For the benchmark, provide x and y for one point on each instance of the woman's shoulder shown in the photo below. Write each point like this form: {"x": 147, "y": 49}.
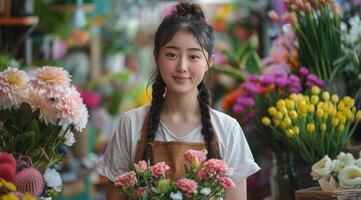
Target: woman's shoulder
{"x": 136, "y": 113}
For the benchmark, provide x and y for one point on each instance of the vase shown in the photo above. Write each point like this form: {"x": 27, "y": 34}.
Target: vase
{"x": 283, "y": 176}
{"x": 304, "y": 178}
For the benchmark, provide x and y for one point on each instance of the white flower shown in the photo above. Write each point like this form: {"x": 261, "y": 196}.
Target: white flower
{"x": 350, "y": 177}
{"x": 13, "y": 88}
{"x": 69, "y": 138}
{"x": 176, "y": 196}
{"x": 205, "y": 191}
{"x": 53, "y": 179}
{"x": 346, "y": 159}
{"x": 358, "y": 162}
{"x": 322, "y": 168}
{"x": 337, "y": 165}
{"x": 286, "y": 28}
{"x": 45, "y": 198}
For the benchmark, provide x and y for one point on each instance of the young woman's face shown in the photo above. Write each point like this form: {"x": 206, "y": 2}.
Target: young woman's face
{"x": 182, "y": 63}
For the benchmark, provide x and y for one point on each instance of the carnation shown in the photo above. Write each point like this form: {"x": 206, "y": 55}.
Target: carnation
{"x": 53, "y": 179}
{"x": 226, "y": 182}
{"x": 159, "y": 169}
{"x": 190, "y": 154}
{"x": 187, "y": 186}
{"x": 127, "y": 179}
{"x": 213, "y": 166}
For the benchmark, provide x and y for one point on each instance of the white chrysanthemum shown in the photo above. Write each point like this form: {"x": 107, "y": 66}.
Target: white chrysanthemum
{"x": 346, "y": 159}
{"x": 322, "y": 168}
{"x": 53, "y": 179}
{"x": 350, "y": 177}
{"x": 51, "y": 78}
{"x": 205, "y": 191}
{"x": 71, "y": 109}
{"x": 45, "y": 198}
{"x": 13, "y": 88}
{"x": 358, "y": 162}
{"x": 337, "y": 165}
{"x": 69, "y": 138}
{"x": 38, "y": 100}
{"x": 176, "y": 196}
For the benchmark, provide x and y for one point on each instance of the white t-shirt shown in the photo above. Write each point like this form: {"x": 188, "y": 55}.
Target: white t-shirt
{"x": 120, "y": 153}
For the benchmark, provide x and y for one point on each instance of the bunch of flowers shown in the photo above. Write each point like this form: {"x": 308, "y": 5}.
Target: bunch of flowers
{"x": 317, "y": 28}
{"x": 344, "y": 172}
{"x": 313, "y": 125}
{"x": 205, "y": 179}
{"x": 39, "y": 113}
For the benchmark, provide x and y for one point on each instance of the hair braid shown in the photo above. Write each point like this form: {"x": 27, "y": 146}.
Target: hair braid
{"x": 154, "y": 115}
{"x": 207, "y": 128}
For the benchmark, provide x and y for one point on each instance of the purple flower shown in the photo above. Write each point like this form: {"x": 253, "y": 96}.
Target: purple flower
{"x": 246, "y": 101}
{"x": 293, "y": 78}
{"x": 304, "y": 71}
{"x": 251, "y": 88}
{"x": 267, "y": 79}
{"x": 282, "y": 82}
{"x": 296, "y": 89}
{"x": 253, "y": 78}
{"x": 312, "y": 77}
{"x": 309, "y": 84}
{"x": 238, "y": 108}
{"x": 320, "y": 82}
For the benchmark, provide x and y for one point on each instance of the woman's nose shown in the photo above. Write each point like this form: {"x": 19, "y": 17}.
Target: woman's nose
{"x": 182, "y": 65}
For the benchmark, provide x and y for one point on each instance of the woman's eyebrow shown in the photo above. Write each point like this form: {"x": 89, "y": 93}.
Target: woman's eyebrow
{"x": 178, "y": 48}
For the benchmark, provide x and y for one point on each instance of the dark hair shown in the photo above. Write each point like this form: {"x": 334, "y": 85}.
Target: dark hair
{"x": 189, "y": 18}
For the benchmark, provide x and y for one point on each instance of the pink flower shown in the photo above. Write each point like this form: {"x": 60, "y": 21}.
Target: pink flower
{"x": 13, "y": 88}
{"x": 91, "y": 99}
{"x": 37, "y": 99}
{"x": 190, "y": 154}
{"x": 215, "y": 166}
{"x": 141, "y": 166}
{"x": 159, "y": 169}
{"x": 139, "y": 192}
{"x": 71, "y": 109}
{"x": 187, "y": 186}
{"x": 226, "y": 182}
{"x": 51, "y": 78}
{"x": 126, "y": 180}
{"x": 202, "y": 175}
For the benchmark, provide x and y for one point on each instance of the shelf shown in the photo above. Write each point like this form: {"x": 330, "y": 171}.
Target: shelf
{"x": 71, "y": 8}
{"x": 19, "y": 21}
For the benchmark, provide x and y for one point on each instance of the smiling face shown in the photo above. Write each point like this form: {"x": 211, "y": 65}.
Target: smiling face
{"x": 182, "y": 63}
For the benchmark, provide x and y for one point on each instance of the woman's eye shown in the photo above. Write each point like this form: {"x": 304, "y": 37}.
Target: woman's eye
{"x": 171, "y": 55}
{"x": 194, "y": 57}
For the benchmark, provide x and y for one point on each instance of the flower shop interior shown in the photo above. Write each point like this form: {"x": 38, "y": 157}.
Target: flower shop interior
{"x": 289, "y": 71}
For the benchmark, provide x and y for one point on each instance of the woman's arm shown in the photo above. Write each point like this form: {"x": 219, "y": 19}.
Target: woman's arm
{"x": 238, "y": 193}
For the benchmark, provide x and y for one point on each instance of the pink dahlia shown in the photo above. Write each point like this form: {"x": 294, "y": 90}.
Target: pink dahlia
{"x": 51, "y": 78}
{"x": 13, "y": 88}
{"x": 38, "y": 100}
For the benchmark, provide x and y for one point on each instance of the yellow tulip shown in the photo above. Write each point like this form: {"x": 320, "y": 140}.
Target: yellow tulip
{"x": 290, "y": 133}
{"x": 341, "y": 105}
{"x": 276, "y": 122}
{"x": 341, "y": 127}
{"x": 310, "y": 127}
{"x": 266, "y": 121}
{"x": 296, "y": 130}
{"x": 283, "y": 110}
{"x": 311, "y": 108}
{"x": 334, "y": 121}
{"x": 278, "y": 115}
{"x": 283, "y": 125}
{"x": 293, "y": 114}
{"x": 358, "y": 115}
{"x": 280, "y": 104}
{"x": 314, "y": 99}
{"x": 319, "y": 113}
{"x": 334, "y": 98}
{"x": 315, "y": 90}
{"x": 326, "y": 96}
{"x": 272, "y": 110}
{"x": 323, "y": 127}
{"x": 342, "y": 119}
{"x": 290, "y": 104}
{"x": 287, "y": 121}
{"x": 293, "y": 96}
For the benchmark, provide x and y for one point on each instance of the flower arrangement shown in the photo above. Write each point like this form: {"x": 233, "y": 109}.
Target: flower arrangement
{"x": 317, "y": 28}
{"x": 313, "y": 125}
{"x": 205, "y": 179}
{"x": 39, "y": 113}
{"x": 8, "y": 191}
{"x": 343, "y": 172}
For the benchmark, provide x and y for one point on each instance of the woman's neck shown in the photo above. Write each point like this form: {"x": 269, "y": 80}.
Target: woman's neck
{"x": 181, "y": 105}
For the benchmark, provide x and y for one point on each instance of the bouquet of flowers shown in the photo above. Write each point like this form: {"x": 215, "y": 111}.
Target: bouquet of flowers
{"x": 8, "y": 191}
{"x": 317, "y": 28}
{"x": 344, "y": 172}
{"x": 39, "y": 113}
{"x": 205, "y": 179}
{"x": 315, "y": 125}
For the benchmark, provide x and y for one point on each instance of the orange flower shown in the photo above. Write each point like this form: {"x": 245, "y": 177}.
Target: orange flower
{"x": 230, "y": 99}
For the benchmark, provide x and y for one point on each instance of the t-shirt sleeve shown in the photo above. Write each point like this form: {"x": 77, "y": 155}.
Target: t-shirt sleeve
{"x": 239, "y": 156}
{"x": 117, "y": 157}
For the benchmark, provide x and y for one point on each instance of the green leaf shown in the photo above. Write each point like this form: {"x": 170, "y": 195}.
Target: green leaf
{"x": 33, "y": 126}
{"x": 235, "y": 73}
{"x": 232, "y": 61}
{"x": 26, "y": 114}
{"x": 253, "y": 63}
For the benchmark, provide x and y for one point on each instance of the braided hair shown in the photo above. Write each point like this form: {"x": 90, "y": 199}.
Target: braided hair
{"x": 190, "y": 18}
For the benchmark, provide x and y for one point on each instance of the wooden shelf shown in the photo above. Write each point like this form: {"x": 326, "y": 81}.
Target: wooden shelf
{"x": 19, "y": 21}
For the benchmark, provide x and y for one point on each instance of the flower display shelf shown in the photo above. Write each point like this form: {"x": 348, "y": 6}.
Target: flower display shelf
{"x": 315, "y": 193}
